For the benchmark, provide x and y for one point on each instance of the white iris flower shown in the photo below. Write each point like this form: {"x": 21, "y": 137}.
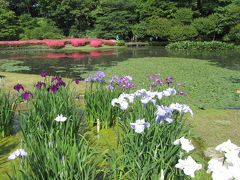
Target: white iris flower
{"x": 60, "y": 118}
{"x": 189, "y": 166}
{"x": 185, "y": 144}
{"x": 17, "y": 153}
{"x": 140, "y": 125}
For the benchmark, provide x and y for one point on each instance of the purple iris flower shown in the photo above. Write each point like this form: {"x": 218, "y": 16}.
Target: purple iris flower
{"x": 40, "y": 84}
{"x": 43, "y": 74}
{"x": 90, "y": 79}
{"x": 169, "y": 80}
{"x": 159, "y": 81}
{"x": 98, "y": 77}
{"x": 114, "y": 79}
{"x": 182, "y": 93}
{"x": 164, "y": 113}
{"x": 60, "y": 83}
{"x": 26, "y": 95}
{"x": 100, "y": 74}
{"x": 126, "y": 86}
{"x": 152, "y": 86}
{"x": 109, "y": 87}
{"x": 56, "y": 78}
{"x": 124, "y": 79}
{"x": 52, "y": 88}
{"x": 18, "y": 87}
{"x": 77, "y": 81}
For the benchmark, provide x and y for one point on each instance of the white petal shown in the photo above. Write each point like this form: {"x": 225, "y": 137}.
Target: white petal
{"x": 114, "y": 102}
{"x": 12, "y": 156}
{"x": 139, "y": 128}
{"x": 123, "y": 105}
{"x": 227, "y": 146}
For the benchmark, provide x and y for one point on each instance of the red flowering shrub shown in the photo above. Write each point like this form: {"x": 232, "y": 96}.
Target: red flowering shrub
{"x": 78, "y": 42}
{"x": 108, "y": 42}
{"x": 75, "y": 42}
{"x": 96, "y": 43}
{"x": 56, "y": 44}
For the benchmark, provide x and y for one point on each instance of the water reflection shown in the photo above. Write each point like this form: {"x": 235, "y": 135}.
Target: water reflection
{"x": 77, "y": 63}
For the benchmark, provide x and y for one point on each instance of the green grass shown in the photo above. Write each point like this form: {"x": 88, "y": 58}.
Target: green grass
{"x": 215, "y": 126}
{"x": 207, "y": 85}
{"x": 67, "y": 48}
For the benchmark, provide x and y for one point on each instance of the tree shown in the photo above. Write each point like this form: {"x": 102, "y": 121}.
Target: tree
{"x": 68, "y": 13}
{"x": 115, "y": 17}
{"x": 139, "y": 30}
{"x": 4, "y": 4}
{"x": 182, "y": 33}
{"x": 234, "y": 34}
{"x": 184, "y": 15}
{"x": 38, "y": 28}
{"x": 8, "y": 25}
{"x": 24, "y": 6}
{"x": 208, "y": 27}
{"x": 159, "y": 27}
{"x": 161, "y": 8}
{"x": 228, "y": 16}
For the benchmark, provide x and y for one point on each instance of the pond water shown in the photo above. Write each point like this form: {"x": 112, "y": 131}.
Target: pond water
{"x": 75, "y": 64}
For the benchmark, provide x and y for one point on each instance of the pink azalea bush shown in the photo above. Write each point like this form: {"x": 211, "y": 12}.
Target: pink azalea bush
{"x": 96, "y": 43}
{"x": 108, "y": 42}
{"x": 51, "y": 43}
{"x": 56, "y": 44}
{"x": 77, "y": 42}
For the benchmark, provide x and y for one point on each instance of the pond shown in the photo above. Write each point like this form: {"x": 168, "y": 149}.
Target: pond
{"x": 75, "y": 64}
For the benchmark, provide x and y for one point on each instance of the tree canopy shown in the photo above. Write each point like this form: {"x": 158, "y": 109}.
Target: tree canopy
{"x": 164, "y": 20}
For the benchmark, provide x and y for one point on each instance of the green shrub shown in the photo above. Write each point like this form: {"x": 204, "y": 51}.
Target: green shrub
{"x": 182, "y": 33}
{"x": 234, "y": 34}
{"x": 120, "y": 43}
{"x": 190, "y": 45}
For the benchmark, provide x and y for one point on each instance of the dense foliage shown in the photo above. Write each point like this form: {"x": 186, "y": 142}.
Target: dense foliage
{"x": 197, "y": 45}
{"x": 155, "y": 20}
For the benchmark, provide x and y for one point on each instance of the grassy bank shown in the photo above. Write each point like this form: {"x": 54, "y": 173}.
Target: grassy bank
{"x": 67, "y": 48}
